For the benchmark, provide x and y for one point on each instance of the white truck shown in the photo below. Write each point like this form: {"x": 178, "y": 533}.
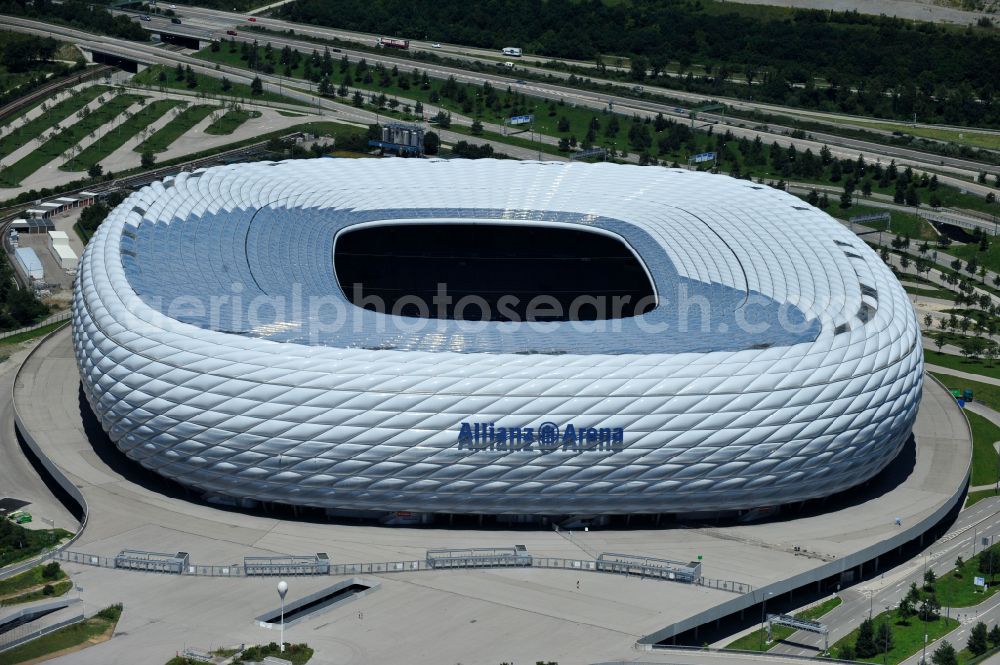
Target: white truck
{"x": 512, "y": 50}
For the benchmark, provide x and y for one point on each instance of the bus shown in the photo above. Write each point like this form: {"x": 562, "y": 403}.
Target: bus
{"x": 512, "y": 50}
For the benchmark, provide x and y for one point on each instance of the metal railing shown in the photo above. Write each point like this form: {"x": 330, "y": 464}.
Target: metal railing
{"x": 404, "y": 566}
{"x": 56, "y": 318}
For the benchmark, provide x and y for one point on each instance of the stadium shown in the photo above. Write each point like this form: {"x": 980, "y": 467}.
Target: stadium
{"x": 508, "y": 338}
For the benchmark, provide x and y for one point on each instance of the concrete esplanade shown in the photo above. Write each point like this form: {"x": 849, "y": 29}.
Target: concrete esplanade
{"x": 436, "y": 615}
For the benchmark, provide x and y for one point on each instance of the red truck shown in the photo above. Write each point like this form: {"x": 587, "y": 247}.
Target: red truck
{"x": 389, "y": 42}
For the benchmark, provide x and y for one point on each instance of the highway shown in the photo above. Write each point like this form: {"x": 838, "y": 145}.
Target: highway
{"x": 958, "y": 176}
{"x": 210, "y": 23}
{"x": 150, "y": 54}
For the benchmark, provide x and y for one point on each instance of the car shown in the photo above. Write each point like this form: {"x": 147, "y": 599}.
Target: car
{"x": 252, "y": 19}
{"x": 519, "y": 81}
{"x": 146, "y": 18}
{"x": 175, "y": 20}
{"x": 230, "y": 32}
{"x": 435, "y": 45}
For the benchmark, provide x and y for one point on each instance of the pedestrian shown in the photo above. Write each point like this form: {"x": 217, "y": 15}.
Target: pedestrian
{"x": 578, "y": 585}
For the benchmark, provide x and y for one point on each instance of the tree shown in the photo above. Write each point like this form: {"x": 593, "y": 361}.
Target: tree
{"x": 227, "y": 85}
{"x": 883, "y": 639}
{"x": 959, "y": 564}
{"x": 95, "y": 170}
{"x": 813, "y": 197}
{"x": 864, "y": 645}
{"x": 994, "y": 636}
{"x": 477, "y": 127}
{"x": 256, "y": 86}
{"x": 431, "y": 143}
{"x": 978, "y": 642}
{"x": 51, "y": 570}
{"x": 846, "y": 652}
{"x": 906, "y": 610}
{"x": 944, "y": 654}
{"x": 989, "y": 561}
{"x": 929, "y": 608}
{"x": 148, "y": 159}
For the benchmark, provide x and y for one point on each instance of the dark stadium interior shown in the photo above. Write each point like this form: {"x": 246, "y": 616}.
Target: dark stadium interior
{"x": 392, "y": 262}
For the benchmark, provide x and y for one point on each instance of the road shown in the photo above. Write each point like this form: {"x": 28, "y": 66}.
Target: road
{"x": 979, "y": 521}
{"x": 18, "y": 479}
{"x": 339, "y": 112}
{"x": 209, "y": 24}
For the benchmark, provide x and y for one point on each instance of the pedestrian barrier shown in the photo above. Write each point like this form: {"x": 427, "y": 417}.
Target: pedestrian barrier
{"x": 457, "y": 558}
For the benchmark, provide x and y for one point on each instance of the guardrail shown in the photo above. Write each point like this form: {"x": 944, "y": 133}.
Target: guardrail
{"x": 403, "y": 566}
{"x": 57, "y": 318}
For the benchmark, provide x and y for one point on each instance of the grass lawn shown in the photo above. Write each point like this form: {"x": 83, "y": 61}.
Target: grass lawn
{"x": 95, "y": 152}
{"x": 26, "y": 580}
{"x": 176, "y": 128}
{"x": 961, "y": 364}
{"x": 21, "y": 543}
{"x": 990, "y": 258}
{"x": 990, "y": 140}
{"x": 956, "y": 589}
{"x": 547, "y": 113}
{"x": 753, "y": 641}
{"x": 64, "y": 140}
{"x": 986, "y": 393}
{"x": 228, "y": 123}
{"x": 97, "y": 629}
{"x": 298, "y": 654}
{"x": 900, "y": 223}
{"x": 31, "y": 130}
{"x": 207, "y": 85}
{"x": 907, "y": 640}
{"x": 976, "y": 497}
{"x": 929, "y": 293}
{"x": 984, "y": 456}
{"x": 512, "y": 140}
{"x": 32, "y": 334}
{"x": 58, "y": 589}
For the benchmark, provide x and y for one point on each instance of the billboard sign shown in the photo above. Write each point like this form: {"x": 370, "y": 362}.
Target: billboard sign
{"x": 703, "y": 157}
{"x": 979, "y": 581}
{"x": 521, "y": 119}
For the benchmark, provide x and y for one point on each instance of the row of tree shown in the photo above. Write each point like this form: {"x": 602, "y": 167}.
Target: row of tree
{"x": 78, "y": 14}
{"x": 879, "y": 65}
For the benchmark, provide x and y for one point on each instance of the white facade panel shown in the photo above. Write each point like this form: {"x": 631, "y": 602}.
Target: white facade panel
{"x": 367, "y": 416}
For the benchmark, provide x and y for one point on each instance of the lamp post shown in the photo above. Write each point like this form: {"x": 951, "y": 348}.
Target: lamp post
{"x": 282, "y": 590}
{"x": 885, "y": 652}
{"x": 763, "y": 612}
